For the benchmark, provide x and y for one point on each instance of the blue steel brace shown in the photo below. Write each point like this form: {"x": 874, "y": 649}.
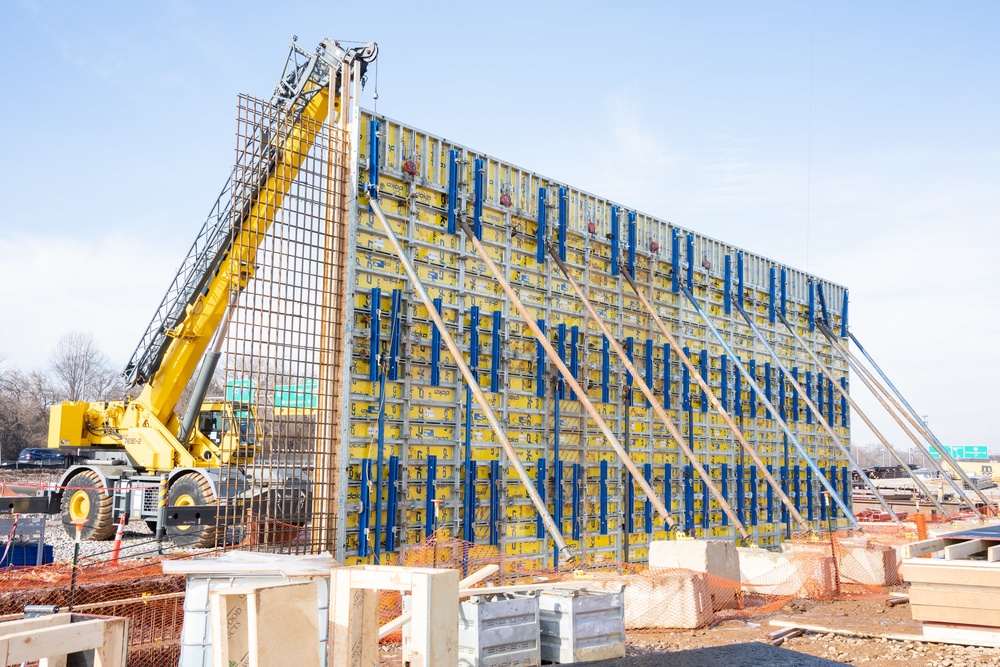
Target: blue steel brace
{"x": 688, "y": 498}
{"x": 629, "y": 344}
{"x": 808, "y": 387}
{"x": 574, "y": 354}
{"x": 767, "y": 388}
{"x": 724, "y": 391}
{"x": 615, "y": 231}
{"x": 436, "y": 348}
{"x": 737, "y": 394}
{"x": 577, "y": 480}
{"x": 647, "y": 473}
{"x": 480, "y": 194}
{"x": 740, "y": 492}
{"x": 649, "y": 365}
{"x": 375, "y": 332}
{"x": 373, "y": 128}
{"x": 605, "y": 372}
{"x": 629, "y": 503}
{"x": 784, "y": 487}
{"x": 395, "y": 333}
{"x": 474, "y": 339}
{"x": 812, "y": 306}
{"x": 770, "y": 295}
{"x": 604, "y": 497}
{"x": 843, "y": 317}
{"x": 540, "y": 366}
{"x": 561, "y": 350}
{"x": 822, "y": 498}
{"x": 540, "y": 486}
{"x": 495, "y": 352}
{"x": 724, "y": 487}
{"x": 666, "y": 376}
{"x": 845, "y": 485}
{"x": 823, "y": 312}
{"x": 739, "y": 277}
{"x": 452, "y": 190}
{"x": 668, "y": 487}
{"x": 704, "y": 375}
{"x": 784, "y": 293}
{"x": 797, "y": 478}
{"x": 753, "y": 496}
{"x": 379, "y": 460}
{"x": 563, "y": 222}
{"x": 558, "y": 501}
{"x": 795, "y": 395}
{"x": 686, "y": 383}
{"x": 820, "y": 394}
{"x": 706, "y": 504}
{"x": 728, "y": 285}
{"x": 782, "y": 406}
{"x": 675, "y": 257}
{"x": 843, "y": 402}
{"x": 364, "y": 517}
{"x": 690, "y": 264}
{"x": 495, "y": 483}
{"x": 542, "y": 213}
{"x": 753, "y": 394}
{"x": 809, "y": 494}
{"x": 770, "y": 496}
{"x": 829, "y": 402}
{"x": 832, "y": 473}
{"x": 392, "y": 505}
{"x": 431, "y": 494}
{"x": 632, "y": 241}
{"x": 469, "y": 533}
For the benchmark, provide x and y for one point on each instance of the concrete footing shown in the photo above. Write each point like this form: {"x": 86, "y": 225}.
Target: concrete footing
{"x": 718, "y": 558}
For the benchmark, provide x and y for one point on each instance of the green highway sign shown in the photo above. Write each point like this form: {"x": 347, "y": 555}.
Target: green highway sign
{"x": 239, "y": 391}
{"x": 981, "y": 452}
{"x": 299, "y": 396}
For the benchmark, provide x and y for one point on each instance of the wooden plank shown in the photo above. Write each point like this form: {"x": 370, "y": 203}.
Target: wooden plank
{"x": 971, "y": 597}
{"x": 964, "y": 549}
{"x": 993, "y": 554}
{"x": 951, "y": 572}
{"x": 230, "y": 636}
{"x": 961, "y": 634}
{"x": 922, "y": 548}
{"x": 434, "y": 628}
{"x": 113, "y": 652}
{"x": 284, "y": 626}
{"x": 38, "y": 623}
{"x": 960, "y": 615}
{"x": 53, "y": 641}
{"x": 779, "y": 623}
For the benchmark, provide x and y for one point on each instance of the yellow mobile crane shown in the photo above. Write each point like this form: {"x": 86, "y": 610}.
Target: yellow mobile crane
{"x": 142, "y": 441}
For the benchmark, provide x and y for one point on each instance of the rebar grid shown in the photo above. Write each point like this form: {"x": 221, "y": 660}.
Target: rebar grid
{"x": 284, "y": 342}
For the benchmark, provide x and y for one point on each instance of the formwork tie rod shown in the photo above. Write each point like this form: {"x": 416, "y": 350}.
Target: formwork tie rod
{"x": 752, "y": 381}
{"x": 918, "y": 423}
{"x": 815, "y": 410}
{"x": 874, "y": 387}
{"x": 857, "y": 409}
{"x": 650, "y": 396}
{"x": 473, "y": 383}
{"x": 602, "y": 425}
{"x": 716, "y": 404}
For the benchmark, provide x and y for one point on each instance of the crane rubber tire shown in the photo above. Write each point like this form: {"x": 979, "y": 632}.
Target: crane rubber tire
{"x": 192, "y": 489}
{"x": 83, "y": 499}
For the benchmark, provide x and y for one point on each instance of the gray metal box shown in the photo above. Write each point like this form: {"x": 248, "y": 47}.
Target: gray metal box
{"x": 580, "y": 625}
{"x": 499, "y": 631}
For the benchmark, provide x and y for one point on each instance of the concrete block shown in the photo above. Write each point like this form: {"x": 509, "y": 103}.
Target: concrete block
{"x": 718, "y": 558}
{"x": 669, "y": 600}
{"x": 806, "y": 575}
{"x": 858, "y": 560}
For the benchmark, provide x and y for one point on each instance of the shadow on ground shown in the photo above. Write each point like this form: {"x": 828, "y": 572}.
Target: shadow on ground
{"x": 750, "y": 654}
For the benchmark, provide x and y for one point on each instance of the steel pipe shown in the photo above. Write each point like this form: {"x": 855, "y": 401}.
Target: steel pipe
{"x": 786, "y": 501}
{"x": 473, "y": 383}
{"x": 568, "y": 376}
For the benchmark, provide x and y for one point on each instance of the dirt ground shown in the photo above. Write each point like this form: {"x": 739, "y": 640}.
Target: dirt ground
{"x": 869, "y": 614}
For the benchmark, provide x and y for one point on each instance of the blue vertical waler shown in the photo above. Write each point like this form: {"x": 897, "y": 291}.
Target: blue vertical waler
{"x": 542, "y": 214}
{"x": 604, "y": 497}
{"x": 479, "y": 194}
{"x": 540, "y": 487}
{"x": 452, "y": 215}
{"x": 615, "y": 231}
{"x": 753, "y": 496}
{"x": 724, "y": 487}
{"x": 540, "y": 364}
{"x": 436, "y": 348}
{"x": 688, "y": 498}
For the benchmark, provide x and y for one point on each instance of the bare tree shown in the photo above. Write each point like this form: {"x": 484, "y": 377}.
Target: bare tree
{"x": 24, "y": 410}
{"x": 82, "y": 372}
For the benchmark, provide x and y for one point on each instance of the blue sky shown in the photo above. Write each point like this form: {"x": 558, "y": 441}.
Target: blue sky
{"x": 877, "y": 122}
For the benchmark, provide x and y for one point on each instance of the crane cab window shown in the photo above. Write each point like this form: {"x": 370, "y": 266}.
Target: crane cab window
{"x": 210, "y": 423}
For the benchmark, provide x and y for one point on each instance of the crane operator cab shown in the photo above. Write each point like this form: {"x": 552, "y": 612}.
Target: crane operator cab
{"x": 232, "y": 427}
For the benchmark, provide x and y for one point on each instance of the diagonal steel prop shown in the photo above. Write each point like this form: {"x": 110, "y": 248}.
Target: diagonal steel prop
{"x": 470, "y": 379}
{"x": 873, "y": 388}
{"x": 568, "y": 376}
{"x": 816, "y": 411}
{"x": 786, "y": 501}
{"x": 918, "y": 423}
{"x": 857, "y": 409}
{"x": 803, "y": 454}
{"x": 648, "y": 393}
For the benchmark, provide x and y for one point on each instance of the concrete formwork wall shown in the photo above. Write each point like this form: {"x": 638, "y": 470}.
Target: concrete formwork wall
{"x": 426, "y": 444}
